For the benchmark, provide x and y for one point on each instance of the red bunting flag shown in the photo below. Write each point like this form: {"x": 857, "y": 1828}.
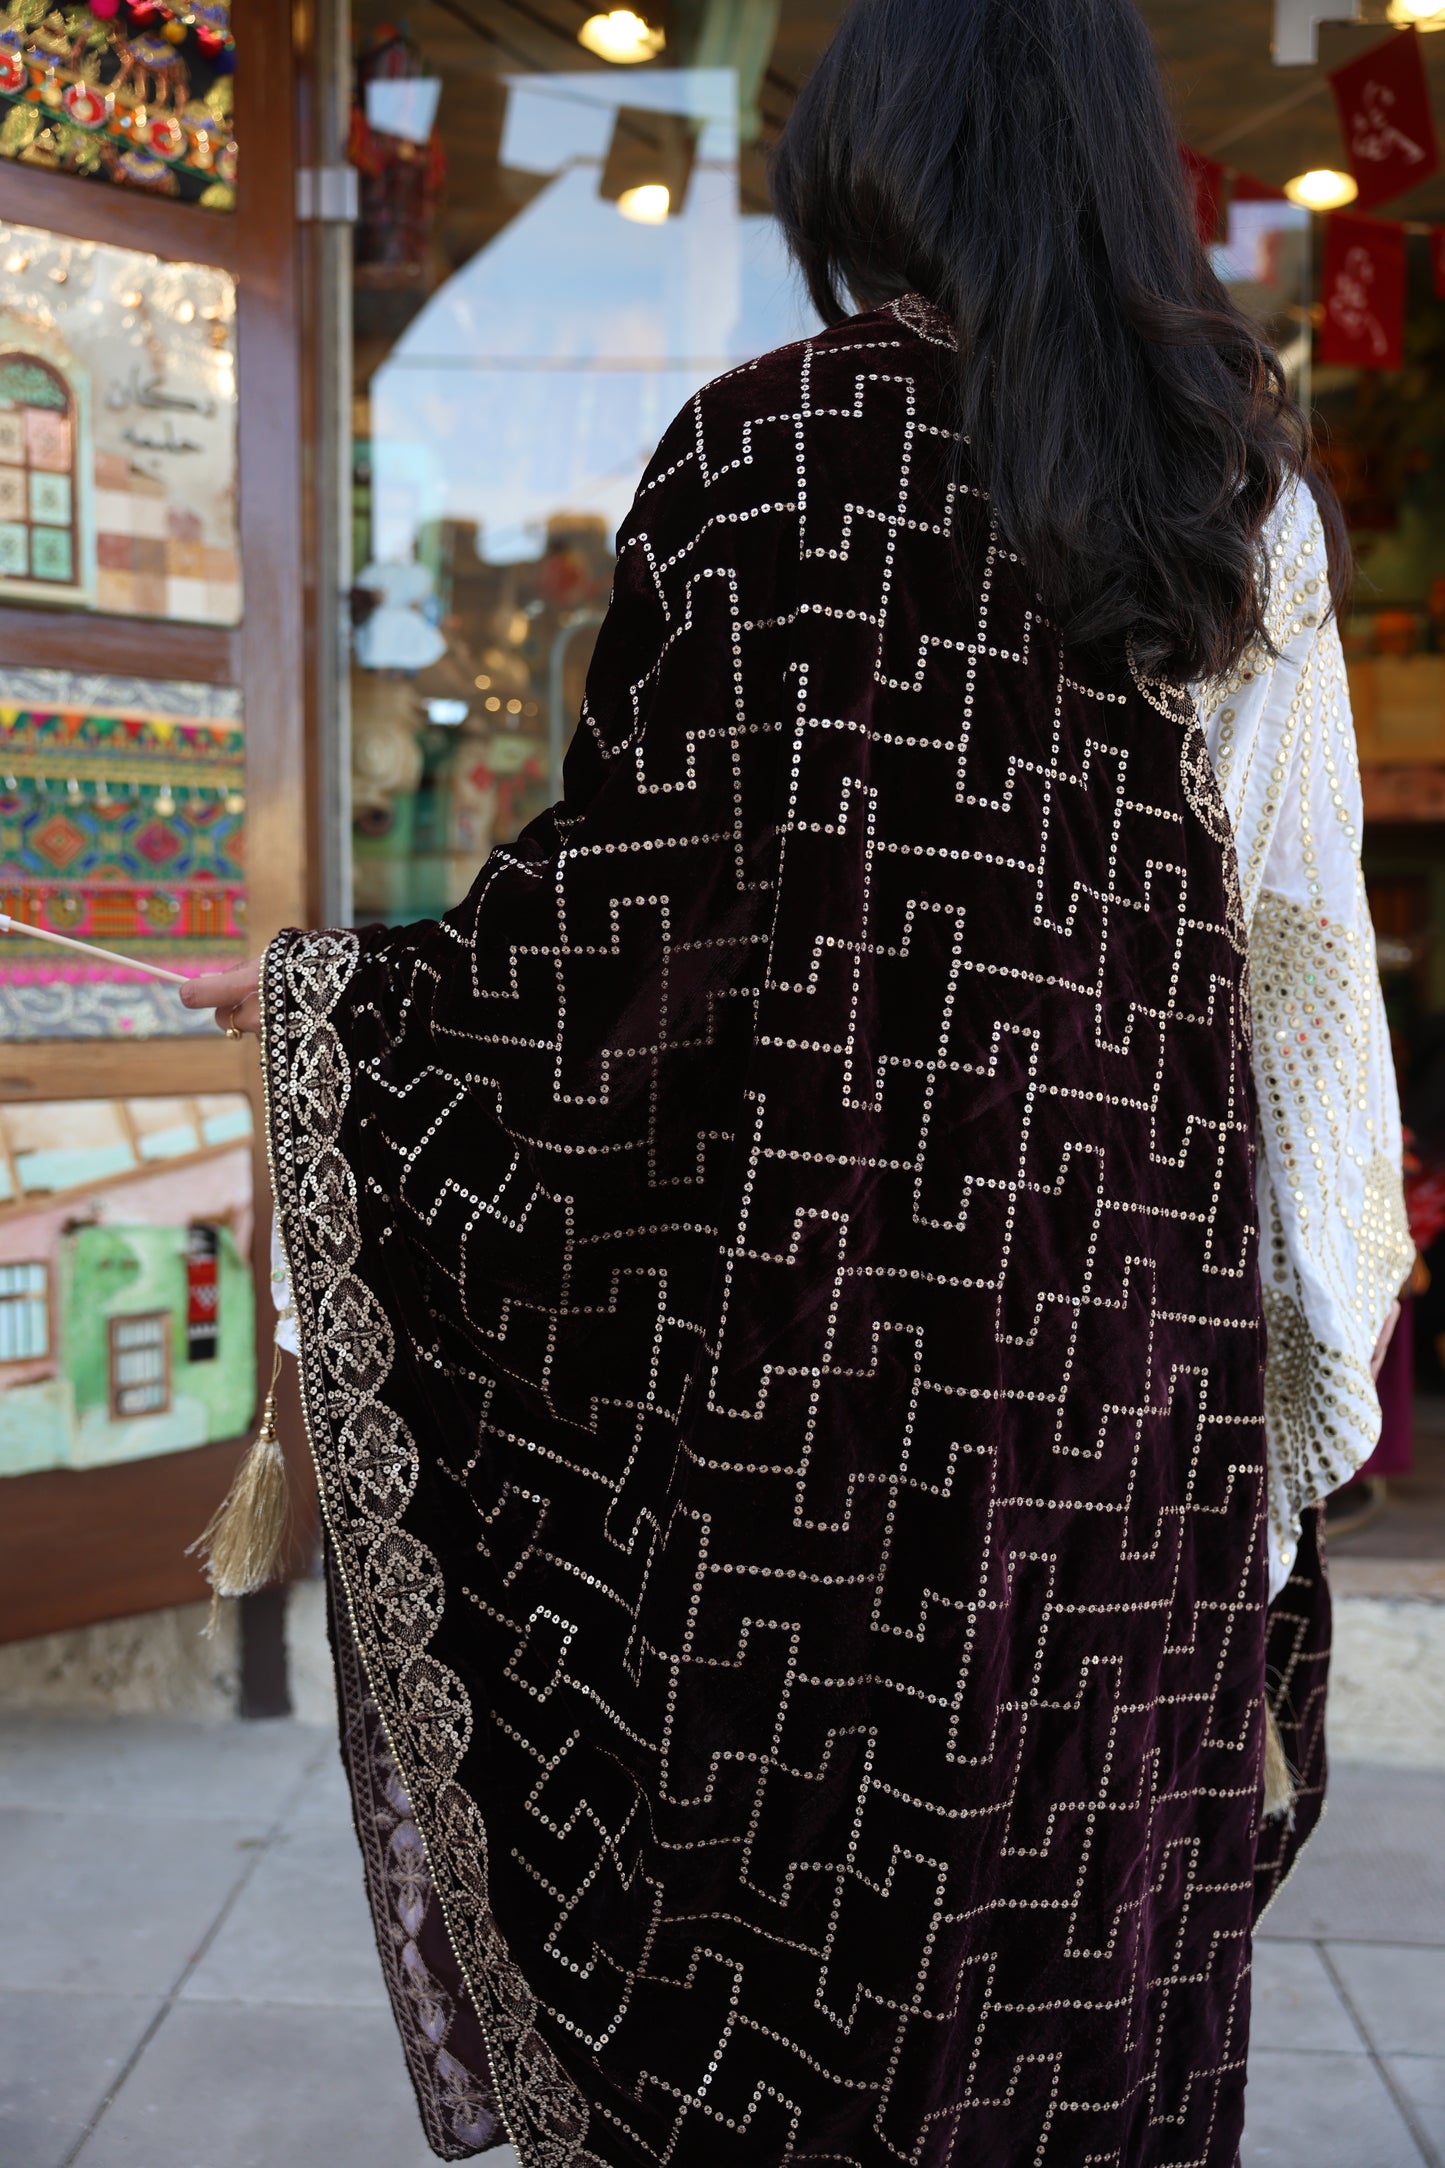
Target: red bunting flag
{"x": 1249, "y": 190}
{"x": 1437, "y": 259}
{"x": 1363, "y": 293}
{"x": 1389, "y": 131}
{"x": 1205, "y": 179}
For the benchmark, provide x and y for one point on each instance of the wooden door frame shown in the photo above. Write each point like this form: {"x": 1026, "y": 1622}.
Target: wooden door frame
{"x": 108, "y": 1542}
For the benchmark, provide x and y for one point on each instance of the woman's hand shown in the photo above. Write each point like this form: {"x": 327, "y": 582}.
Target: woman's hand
{"x": 232, "y": 994}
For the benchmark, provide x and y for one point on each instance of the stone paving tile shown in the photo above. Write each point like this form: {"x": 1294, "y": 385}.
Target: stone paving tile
{"x": 155, "y": 1766}
{"x": 108, "y": 1904}
{"x": 1320, "y": 2111}
{"x": 1399, "y": 1994}
{"x": 61, "y": 2053}
{"x": 300, "y": 1933}
{"x": 227, "y": 2085}
{"x": 323, "y": 1798}
{"x": 1295, "y": 2003}
{"x": 1421, "y": 2078}
{"x": 1374, "y": 1871}
{"x": 280, "y": 2050}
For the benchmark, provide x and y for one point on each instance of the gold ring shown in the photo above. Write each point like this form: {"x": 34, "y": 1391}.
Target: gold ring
{"x": 231, "y": 1031}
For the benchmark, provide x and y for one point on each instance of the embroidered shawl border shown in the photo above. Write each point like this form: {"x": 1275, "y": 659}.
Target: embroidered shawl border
{"x": 367, "y": 1464}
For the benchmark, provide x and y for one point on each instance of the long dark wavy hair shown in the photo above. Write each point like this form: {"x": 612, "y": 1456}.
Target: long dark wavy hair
{"x": 1016, "y": 162}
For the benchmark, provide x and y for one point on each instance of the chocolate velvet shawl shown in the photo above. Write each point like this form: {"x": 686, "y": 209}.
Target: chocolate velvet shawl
{"x": 777, "y": 1283}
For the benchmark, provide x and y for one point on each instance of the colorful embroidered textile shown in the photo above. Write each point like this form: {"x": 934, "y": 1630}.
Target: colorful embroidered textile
{"x": 777, "y": 1283}
{"x": 116, "y": 100}
{"x": 122, "y": 824}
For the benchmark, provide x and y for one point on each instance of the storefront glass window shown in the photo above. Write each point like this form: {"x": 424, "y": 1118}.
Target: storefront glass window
{"x": 554, "y": 251}
{"x": 1379, "y": 415}
{"x": 564, "y": 230}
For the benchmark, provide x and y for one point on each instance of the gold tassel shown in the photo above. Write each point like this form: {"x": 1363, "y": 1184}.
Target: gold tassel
{"x": 1279, "y": 1785}
{"x": 242, "y": 1545}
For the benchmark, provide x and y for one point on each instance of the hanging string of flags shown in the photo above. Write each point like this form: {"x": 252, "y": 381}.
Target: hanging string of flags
{"x": 1383, "y": 100}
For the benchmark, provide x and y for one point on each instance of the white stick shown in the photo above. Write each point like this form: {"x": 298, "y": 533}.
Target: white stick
{"x": 88, "y": 948}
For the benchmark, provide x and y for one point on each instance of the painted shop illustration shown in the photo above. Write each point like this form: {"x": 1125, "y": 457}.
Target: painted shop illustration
{"x": 127, "y": 1308}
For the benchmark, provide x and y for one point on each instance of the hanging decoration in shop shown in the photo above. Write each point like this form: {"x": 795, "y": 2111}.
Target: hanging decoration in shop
{"x": 396, "y": 147}
{"x": 1247, "y": 189}
{"x": 131, "y": 91}
{"x": 1390, "y": 142}
{"x": 1206, "y": 178}
{"x": 1363, "y": 294}
{"x": 1384, "y": 105}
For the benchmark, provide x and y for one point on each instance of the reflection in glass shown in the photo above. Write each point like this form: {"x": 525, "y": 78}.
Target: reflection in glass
{"x": 1265, "y": 261}
{"x": 542, "y": 281}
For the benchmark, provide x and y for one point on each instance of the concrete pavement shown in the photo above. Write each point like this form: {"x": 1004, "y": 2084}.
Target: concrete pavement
{"x": 187, "y": 1977}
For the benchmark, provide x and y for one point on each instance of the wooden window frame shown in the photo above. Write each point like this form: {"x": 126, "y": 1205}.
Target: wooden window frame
{"x": 31, "y": 1264}
{"x": 114, "y": 1388}
{"x": 31, "y": 584}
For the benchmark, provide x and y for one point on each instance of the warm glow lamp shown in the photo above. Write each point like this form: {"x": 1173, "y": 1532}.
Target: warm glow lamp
{"x": 1322, "y": 189}
{"x": 647, "y": 205}
{"x": 621, "y": 36}
{"x": 1424, "y": 14}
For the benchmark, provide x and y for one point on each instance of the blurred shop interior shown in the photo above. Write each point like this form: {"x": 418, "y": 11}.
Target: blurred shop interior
{"x": 431, "y": 285}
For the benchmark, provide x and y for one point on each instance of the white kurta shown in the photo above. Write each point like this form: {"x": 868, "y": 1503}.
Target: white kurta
{"x": 1335, "y": 1245}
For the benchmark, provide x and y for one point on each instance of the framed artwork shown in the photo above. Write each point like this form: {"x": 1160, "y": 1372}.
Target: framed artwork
{"x": 122, "y": 822}
{"x": 137, "y": 93}
{"x": 117, "y": 431}
{"x": 127, "y": 1304}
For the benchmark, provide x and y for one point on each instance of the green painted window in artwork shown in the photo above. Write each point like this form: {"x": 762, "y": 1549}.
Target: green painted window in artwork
{"x": 140, "y": 1370}
{"x": 38, "y": 542}
{"x": 122, "y": 1305}
{"x": 24, "y": 382}
{"x": 24, "y": 1312}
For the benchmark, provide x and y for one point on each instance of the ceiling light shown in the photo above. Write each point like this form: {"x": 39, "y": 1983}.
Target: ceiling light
{"x": 1424, "y": 14}
{"x": 620, "y": 36}
{"x": 648, "y": 205}
{"x": 1321, "y": 189}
